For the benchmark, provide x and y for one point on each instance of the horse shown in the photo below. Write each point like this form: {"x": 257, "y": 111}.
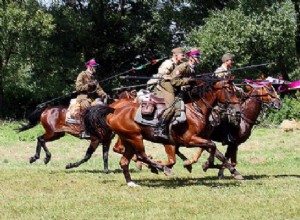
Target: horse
{"x": 188, "y": 134}
{"x": 257, "y": 97}
{"x": 53, "y": 121}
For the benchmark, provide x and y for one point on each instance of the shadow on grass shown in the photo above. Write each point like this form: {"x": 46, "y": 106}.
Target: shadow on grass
{"x": 211, "y": 182}
{"x": 74, "y": 170}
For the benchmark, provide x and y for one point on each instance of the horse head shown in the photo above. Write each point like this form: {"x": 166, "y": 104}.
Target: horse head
{"x": 266, "y": 94}
{"x": 220, "y": 93}
{"x": 229, "y": 101}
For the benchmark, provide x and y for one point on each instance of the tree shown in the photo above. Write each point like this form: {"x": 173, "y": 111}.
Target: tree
{"x": 267, "y": 36}
{"x": 24, "y": 29}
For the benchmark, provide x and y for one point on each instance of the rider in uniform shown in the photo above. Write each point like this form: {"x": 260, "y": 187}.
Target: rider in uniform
{"x": 170, "y": 85}
{"x": 88, "y": 89}
{"x": 167, "y": 67}
{"x": 224, "y": 70}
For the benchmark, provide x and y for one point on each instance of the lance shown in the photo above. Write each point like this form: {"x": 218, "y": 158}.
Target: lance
{"x": 134, "y": 69}
{"x": 237, "y": 69}
{"x": 160, "y": 78}
{"x": 130, "y": 87}
{"x": 44, "y": 104}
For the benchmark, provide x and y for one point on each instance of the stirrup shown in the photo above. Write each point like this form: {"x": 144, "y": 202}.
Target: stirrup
{"x": 160, "y": 132}
{"x": 84, "y": 135}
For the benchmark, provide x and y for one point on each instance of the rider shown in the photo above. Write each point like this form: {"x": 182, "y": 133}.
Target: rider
{"x": 167, "y": 66}
{"x": 170, "y": 86}
{"x": 88, "y": 89}
{"x": 224, "y": 70}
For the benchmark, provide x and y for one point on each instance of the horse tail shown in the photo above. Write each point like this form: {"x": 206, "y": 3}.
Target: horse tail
{"x": 33, "y": 119}
{"x": 94, "y": 119}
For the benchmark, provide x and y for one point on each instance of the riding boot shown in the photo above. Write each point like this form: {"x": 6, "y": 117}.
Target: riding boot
{"x": 161, "y": 129}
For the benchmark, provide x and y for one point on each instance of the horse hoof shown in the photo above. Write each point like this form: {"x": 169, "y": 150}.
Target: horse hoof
{"x": 46, "y": 160}
{"x": 221, "y": 177}
{"x": 32, "y": 159}
{"x": 69, "y": 166}
{"x": 238, "y": 177}
{"x": 221, "y": 174}
{"x": 168, "y": 171}
{"x": 107, "y": 171}
{"x": 139, "y": 166}
{"x": 132, "y": 184}
{"x": 187, "y": 163}
{"x": 154, "y": 170}
{"x": 189, "y": 168}
{"x": 205, "y": 166}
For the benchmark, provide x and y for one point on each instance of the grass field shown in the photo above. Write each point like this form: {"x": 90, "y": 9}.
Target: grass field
{"x": 269, "y": 162}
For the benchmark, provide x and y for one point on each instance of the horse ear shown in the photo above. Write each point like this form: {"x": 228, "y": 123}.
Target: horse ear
{"x": 248, "y": 88}
{"x": 262, "y": 77}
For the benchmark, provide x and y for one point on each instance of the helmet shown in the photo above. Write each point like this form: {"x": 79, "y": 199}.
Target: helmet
{"x": 227, "y": 56}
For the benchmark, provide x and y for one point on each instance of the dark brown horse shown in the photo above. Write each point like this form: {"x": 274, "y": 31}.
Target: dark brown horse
{"x": 257, "y": 97}
{"x": 53, "y": 120}
{"x": 189, "y": 134}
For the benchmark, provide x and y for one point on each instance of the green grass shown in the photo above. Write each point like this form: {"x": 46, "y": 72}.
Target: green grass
{"x": 269, "y": 161}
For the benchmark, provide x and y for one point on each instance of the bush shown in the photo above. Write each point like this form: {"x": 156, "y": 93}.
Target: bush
{"x": 289, "y": 110}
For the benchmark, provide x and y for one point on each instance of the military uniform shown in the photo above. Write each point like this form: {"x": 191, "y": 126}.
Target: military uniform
{"x": 170, "y": 86}
{"x": 222, "y": 72}
{"x": 88, "y": 89}
{"x": 164, "y": 70}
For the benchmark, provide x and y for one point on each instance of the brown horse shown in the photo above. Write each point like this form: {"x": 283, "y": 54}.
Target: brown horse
{"x": 257, "y": 97}
{"x": 189, "y": 134}
{"x": 53, "y": 121}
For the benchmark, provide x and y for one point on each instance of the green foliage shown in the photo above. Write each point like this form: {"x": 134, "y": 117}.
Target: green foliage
{"x": 44, "y": 48}
{"x": 290, "y": 110}
{"x": 253, "y": 38}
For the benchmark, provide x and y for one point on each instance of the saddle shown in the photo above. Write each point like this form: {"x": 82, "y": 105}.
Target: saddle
{"x": 152, "y": 108}
{"x": 73, "y": 112}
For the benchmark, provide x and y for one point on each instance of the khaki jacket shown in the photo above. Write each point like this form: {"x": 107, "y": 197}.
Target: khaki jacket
{"x": 222, "y": 72}
{"x": 164, "y": 71}
{"x": 178, "y": 77}
{"x": 84, "y": 90}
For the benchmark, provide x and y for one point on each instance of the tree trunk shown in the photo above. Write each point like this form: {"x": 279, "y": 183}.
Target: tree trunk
{"x": 297, "y": 11}
{"x": 1, "y": 87}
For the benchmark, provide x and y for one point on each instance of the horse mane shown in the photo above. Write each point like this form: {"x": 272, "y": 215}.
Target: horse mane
{"x": 202, "y": 85}
{"x": 94, "y": 118}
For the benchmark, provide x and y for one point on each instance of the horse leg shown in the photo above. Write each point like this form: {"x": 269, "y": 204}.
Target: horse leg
{"x": 171, "y": 153}
{"x": 233, "y": 160}
{"x": 37, "y": 151}
{"x": 124, "y": 164}
{"x": 228, "y": 165}
{"x": 153, "y": 164}
{"x": 186, "y": 161}
{"x": 119, "y": 148}
{"x": 105, "y": 151}
{"x": 91, "y": 149}
{"x": 47, "y": 152}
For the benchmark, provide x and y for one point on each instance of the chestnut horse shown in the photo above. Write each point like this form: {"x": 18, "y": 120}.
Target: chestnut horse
{"x": 257, "y": 97}
{"x": 53, "y": 120}
{"x": 189, "y": 134}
